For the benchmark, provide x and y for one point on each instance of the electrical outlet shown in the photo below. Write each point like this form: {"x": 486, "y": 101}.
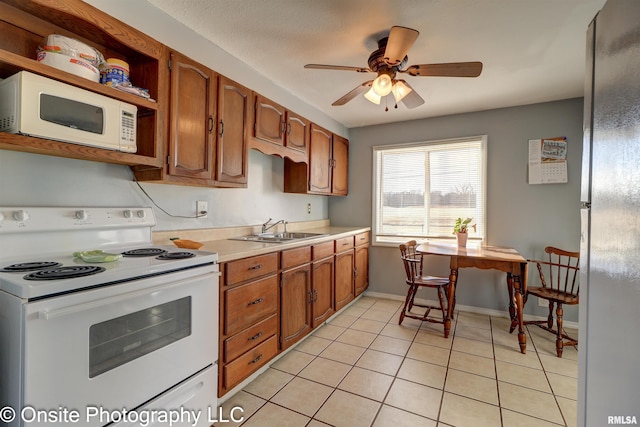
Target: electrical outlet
{"x": 309, "y": 208}
{"x": 202, "y": 209}
{"x": 543, "y": 302}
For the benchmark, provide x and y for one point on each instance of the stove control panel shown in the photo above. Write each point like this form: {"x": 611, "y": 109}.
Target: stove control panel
{"x": 23, "y": 219}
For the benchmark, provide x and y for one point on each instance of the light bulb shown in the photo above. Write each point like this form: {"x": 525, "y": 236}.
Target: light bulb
{"x": 382, "y": 85}
{"x": 372, "y": 96}
{"x": 400, "y": 90}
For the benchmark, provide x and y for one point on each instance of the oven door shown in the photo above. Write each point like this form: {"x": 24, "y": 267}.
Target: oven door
{"x": 117, "y": 347}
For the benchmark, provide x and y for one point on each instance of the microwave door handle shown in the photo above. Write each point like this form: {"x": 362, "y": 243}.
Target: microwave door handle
{"x": 52, "y": 314}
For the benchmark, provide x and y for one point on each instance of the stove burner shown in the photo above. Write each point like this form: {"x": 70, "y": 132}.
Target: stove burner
{"x": 30, "y": 266}
{"x": 144, "y": 252}
{"x": 176, "y": 255}
{"x": 64, "y": 272}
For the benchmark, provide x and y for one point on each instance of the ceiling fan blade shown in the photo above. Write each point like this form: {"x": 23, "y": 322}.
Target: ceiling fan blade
{"x": 358, "y": 90}
{"x": 453, "y": 69}
{"x": 412, "y": 99}
{"x": 338, "y": 67}
{"x": 400, "y": 41}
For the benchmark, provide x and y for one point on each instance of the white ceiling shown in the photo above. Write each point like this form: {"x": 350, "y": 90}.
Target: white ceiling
{"x": 532, "y": 50}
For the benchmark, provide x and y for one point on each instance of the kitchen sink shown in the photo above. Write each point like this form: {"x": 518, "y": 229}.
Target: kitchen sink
{"x": 278, "y": 237}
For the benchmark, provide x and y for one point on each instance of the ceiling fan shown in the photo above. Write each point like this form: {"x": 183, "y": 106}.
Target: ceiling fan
{"x": 388, "y": 60}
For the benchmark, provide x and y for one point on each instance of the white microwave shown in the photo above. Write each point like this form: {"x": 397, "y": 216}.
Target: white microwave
{"x": 38, "y": 106}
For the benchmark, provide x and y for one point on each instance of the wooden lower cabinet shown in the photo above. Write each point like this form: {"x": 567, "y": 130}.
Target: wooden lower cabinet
{"x": 235, "y": 372}
{"x": 344, "y": 272}
{"x": 295, "y": 305}
{"x": 322, "y": 291}
{"x": 361, "y": 271}
{"x": 248, "y": 318}
{"x": 270, "y": 302}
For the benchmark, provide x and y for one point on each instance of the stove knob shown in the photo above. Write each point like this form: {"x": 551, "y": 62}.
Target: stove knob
{"x": 127, "y": 213}
{"x": 81, "y": 214}
{"x": 141, "y": 213}
{"x": 21, "y": 215}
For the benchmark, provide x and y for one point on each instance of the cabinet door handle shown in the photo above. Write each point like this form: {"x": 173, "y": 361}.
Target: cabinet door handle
{"x": 315, "y": 295}
{"x": 355, "y": 272}
{"x": 256, "y": 360}
{"x": 289, "y": 129}
{"x": 221, "y": 128}
{"x": 210, "y": 124}
{"x": 255, "y": 337}
{"x": 258, "y": 301}
{"x": 256, "y": 267}
{"x": 284, "y": 127}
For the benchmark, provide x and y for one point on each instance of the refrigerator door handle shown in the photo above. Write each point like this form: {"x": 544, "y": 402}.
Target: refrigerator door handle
{"x": 585, "y": 205}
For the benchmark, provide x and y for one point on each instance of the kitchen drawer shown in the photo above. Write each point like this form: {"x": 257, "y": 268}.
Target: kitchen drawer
{"x": 246, "y": 304}
{"x": 295, "y": 257}
{"x": 250, "y": 337}
{"x": 362, "y": 239}
{"x": 236, "y": 371}
{"x": 251, "y": 268}
{"x": 322, "y": 250}
{"x": 344, "y": 244}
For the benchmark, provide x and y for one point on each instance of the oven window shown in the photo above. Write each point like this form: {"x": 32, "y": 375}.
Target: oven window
{"x": 117, "y": 341}
{"x": 72, "y": 114}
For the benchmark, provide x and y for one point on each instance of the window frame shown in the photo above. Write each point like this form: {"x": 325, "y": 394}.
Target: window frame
{"x": 394, "y": 241}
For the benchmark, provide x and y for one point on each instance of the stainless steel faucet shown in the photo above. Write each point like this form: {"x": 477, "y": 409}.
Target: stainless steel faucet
{"x": 267, "y": 226}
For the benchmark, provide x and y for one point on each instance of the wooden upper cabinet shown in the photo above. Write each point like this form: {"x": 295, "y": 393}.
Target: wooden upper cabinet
{"x": 340, "y": 166}
{"x": 234, "y": 121}
{"x": 24, "y": 25}
{"x": 278, "y": 131}
{"x": 297, "y": 132}
{"x": 320, "y": 160}
{"x": 269, "y": 121}
{"x": 327, "y": 170}
{"x": 192, "y": 118}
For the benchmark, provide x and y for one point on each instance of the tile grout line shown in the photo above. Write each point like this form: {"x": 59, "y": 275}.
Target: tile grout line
{"x": 405, "y": 357}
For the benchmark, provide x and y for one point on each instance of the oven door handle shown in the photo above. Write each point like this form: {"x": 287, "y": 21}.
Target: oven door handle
{"x": 52, "y": 314}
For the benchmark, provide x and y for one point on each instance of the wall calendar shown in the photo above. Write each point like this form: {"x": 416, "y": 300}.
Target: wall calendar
{"x": 548, "y": 160}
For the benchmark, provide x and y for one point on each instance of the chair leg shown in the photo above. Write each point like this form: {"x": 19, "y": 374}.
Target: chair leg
{"x": 409, "y": 297}
{"x": 550, "y": 318}
{"x": 414, "y": 291}
{"x": 442, "y": 305}
{"x": 559, "y": 339}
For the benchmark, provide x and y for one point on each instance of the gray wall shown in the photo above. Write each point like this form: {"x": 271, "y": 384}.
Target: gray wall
{"x": 37, "y": 180}
{"x": 525, "y": 217}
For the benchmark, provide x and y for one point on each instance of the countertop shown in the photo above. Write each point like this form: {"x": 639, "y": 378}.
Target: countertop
{"x": 229, "y": 250}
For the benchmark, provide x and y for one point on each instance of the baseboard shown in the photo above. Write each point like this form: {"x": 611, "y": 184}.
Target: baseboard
{"x": 466, "y": 308}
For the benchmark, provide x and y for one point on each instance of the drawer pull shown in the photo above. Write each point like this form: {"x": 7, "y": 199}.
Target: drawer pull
{"x": 258, "y": 301}
{"x": 255, "y": 337}
{"x": 256, "y": 267}
{"x": 346, "y": 244}
{"x": 256, "y": 360}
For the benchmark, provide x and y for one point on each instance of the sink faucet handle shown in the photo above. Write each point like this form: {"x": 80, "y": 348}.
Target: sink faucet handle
{"x": 285, "y": 225}
{"x": 264, "y": 226}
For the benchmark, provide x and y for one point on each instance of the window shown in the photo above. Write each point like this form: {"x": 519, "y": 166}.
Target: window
{"x": 420, "y": 189}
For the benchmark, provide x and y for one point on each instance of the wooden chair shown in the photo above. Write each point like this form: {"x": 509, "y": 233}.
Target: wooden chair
{"x": 413, "y": 263}
{"x": 560, "y": 286}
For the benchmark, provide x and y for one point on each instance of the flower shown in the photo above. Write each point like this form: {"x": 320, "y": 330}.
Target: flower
{"x": 462, "y": 226}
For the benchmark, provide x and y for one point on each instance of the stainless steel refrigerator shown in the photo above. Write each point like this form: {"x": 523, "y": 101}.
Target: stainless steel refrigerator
{"x": 609, "y": 334}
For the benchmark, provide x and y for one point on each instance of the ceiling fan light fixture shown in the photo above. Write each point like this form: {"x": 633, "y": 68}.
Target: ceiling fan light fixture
{"x": 372, "y": 96}
{"x": 400, "y": 90}
{"x": 382, "y": 85}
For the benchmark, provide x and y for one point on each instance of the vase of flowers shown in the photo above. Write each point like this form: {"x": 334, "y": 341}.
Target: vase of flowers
{"x": 461, "y": 230}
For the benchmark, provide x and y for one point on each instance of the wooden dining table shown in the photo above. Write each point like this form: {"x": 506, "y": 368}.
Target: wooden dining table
{"x": 485, "y": 257}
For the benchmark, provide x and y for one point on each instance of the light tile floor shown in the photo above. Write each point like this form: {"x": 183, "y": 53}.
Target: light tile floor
{"x": 363, "y": 369}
